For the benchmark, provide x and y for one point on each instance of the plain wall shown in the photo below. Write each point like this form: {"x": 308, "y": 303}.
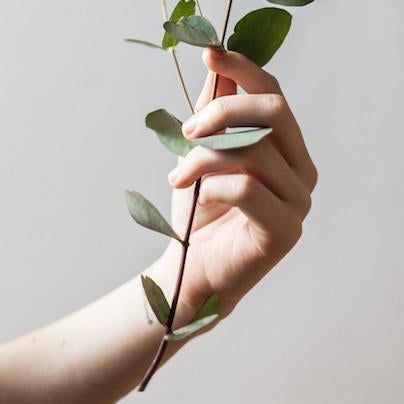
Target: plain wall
{"x": 327, "y": 325}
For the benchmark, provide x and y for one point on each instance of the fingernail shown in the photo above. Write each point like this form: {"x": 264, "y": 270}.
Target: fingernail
{"x": 189, "y": 126}
{"x": 173, "y": 175}
{"x": 217, "y": 53}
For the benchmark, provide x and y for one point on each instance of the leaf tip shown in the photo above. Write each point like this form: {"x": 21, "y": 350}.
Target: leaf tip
{"x": 129, "y": 195}
{"x": 167, "y": 25}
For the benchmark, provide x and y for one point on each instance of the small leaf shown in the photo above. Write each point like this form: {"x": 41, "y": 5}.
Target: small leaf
{"x": 233, "y": 140}
{"x": 156, "y": 299}
{"x": 146, "y": 43}
{"x": 291, "y": 2}
{"x": 194, "y": 30}
{"x": 168, "y": 129}
{"x": 192, "y": 328}
{"x": 145, "y": 214}
{"x": 260, "y": 34}
{"x": 210, "y": 306}
{"x": 182, "y": 9}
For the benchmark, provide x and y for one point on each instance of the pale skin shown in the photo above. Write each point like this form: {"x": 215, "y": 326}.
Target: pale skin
{"x": 251, "y": 208}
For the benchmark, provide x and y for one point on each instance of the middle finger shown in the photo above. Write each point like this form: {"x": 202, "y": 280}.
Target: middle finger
{"x": 262, "y": 161}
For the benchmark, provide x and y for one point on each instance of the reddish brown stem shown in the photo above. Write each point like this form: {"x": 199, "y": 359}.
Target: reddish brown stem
{"x": 185, "y": 244}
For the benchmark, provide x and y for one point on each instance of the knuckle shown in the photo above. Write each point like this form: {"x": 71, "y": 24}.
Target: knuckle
{"x": 309, "y": 175}
{"x": 275, "y": 104}
{"x": 302, "y": 201}
{"x": 289, "y": 233}
{"x": 275, "y": 83}
{"x": 306, "y": 203}
{"x": 299, "y": 198}
{"x": 313, "y": 176}
{"x": 295, "y": 230}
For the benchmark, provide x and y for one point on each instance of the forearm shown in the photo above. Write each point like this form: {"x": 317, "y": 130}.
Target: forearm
{"x": 97, "y": 354}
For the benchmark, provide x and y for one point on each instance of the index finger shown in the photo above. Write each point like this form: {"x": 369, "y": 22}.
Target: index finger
{"x": 241, "y": 70}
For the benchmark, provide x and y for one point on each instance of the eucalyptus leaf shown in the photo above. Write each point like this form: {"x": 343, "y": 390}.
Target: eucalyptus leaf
{"x": 291, "y": 2}
{"x": 146, "y": 43}
{"x": 183, "y": 8}
{"x": 190, "y": 329}
{"x": 194, "y": 30}
{"x": 168, "y": 130}
{"x": 145, "y": 214}
{"x": 259, "y": 34}
{"x": 209, "y": 307}
{"x": 233, "y": 140}
{"x": 156, "y": 299}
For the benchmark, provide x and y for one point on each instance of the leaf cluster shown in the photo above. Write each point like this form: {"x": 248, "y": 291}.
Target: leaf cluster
{"x": 258, "y": 35}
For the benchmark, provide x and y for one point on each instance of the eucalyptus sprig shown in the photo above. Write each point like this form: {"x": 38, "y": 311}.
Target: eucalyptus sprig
{"x": 258, "y": 35}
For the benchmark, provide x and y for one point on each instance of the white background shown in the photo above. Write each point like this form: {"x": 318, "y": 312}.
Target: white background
{"x": 327, "y": 325}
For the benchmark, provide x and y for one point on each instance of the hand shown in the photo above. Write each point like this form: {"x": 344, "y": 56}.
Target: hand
{"x": 253, "y": 200}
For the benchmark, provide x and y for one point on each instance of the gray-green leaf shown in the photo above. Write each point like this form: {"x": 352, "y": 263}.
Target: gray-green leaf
{"x": 194, "y": 30}
{"x": 209, "y": 307}
{"x": 183, "y": 8}
{"x": 168, "y": 130}
{"x": 291, "y": 2}
{"x": 145, "y": 214}
{"x": 156, "y": 299}
{"x": 146, "y": 43}
{"x": 260, "y": 34}
{"x": 233, "y": 140}
{"x": 190, "y": 329}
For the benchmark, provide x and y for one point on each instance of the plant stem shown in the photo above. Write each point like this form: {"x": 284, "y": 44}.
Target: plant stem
{"x": 164, "y": 9}
{"x": 176, "y": 64}
{"x": 223, "y": 37}
{"x": 163, "y": 344}
{"x": 181, "y": 80}
{"x": 185, "y": 244}
{"x": 199, "y": 8}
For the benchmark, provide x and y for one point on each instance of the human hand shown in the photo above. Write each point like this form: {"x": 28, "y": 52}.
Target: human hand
{"x": 253, "y": 200}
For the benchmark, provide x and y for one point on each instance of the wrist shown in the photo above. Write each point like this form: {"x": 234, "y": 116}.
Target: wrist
{"x": 164, "y": 273}
{"x": 194, "y": 289}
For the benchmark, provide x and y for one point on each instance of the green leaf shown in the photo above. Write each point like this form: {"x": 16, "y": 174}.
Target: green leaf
{"x": 192, "y": 328}
{"x": 146, "y": 43}
{"x": 291, "y": 2}
{"x": 233, "y": 140}
{"x": 168, "y": 129}
{"x": 260, "y": 34}
{"x": 209, "y": 307}
{"x": 183, "y": 8}
{"x": 156, "y": 299}
{"x": 194, "y": 30}
{"x": 144, "y": 213}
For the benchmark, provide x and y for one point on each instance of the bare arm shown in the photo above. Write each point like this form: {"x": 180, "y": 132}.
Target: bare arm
{"x": 96, "y": 355}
